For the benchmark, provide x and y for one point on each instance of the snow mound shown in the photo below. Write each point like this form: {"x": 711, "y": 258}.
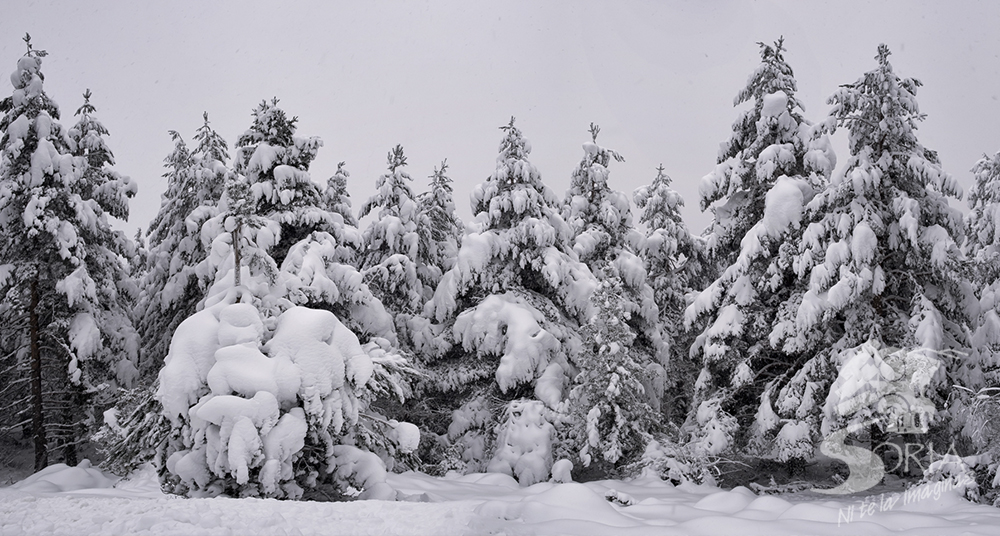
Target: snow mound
{"x": 60, "y": 478}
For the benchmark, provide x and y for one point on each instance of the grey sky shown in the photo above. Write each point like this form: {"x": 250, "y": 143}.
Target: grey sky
{"x": 440, "y": 77}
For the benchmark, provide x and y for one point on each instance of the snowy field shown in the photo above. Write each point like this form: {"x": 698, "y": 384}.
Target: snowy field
{"x": 77, "y": 501}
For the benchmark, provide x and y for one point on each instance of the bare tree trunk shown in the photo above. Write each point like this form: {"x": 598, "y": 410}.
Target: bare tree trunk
{"x": 37, "y": 417}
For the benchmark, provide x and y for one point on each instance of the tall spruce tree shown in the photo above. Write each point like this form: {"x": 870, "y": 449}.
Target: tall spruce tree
{"x": 676, "y": 265}
{"x": 392, "y": 242}
{"x": 982, "y": 246}
{"x": 879, "y": 261}
{"x": 605, "y": 239}
{"x": 506, "y": 323}
{"x": 771, "y": 166}
{"x": 62, "y": 269}
{"x": 170, "y": 287}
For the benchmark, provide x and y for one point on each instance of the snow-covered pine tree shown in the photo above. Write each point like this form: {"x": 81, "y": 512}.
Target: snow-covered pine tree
{"x": 302, "y": 249}
{"x": 443, "y": 234}
{"x": 391, "y": 244}
{"x": 336, "y": 197}
{"x": 982, "y": 247}
{"x": 505, "y": 324}
{"x": 676, "y": 265}
{"x": 610, "y": 400}
{"x": 879, "y": 258}
{"x": 62, "y": 267}
{"x": 767, "y": 171}
{"x": 170, "y": 289}
{"x": 605, "y": 239}
{"x": 267, "y": 392}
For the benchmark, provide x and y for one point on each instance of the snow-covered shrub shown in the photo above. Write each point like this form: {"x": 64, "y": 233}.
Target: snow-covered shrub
{"x": 524, "y": 442}
{"x": 259, "y": 412}
{"x": 955, "y": 473}
{"x": 978, "y": 413}
{"x": 678, "y": 462}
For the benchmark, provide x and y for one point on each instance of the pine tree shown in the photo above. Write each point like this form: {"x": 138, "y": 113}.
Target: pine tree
{"x": 982, "y": 247}
{"x": 767, "y": 171}
{"x": 391, "y": 242}
{"x": 605, "y": 239}
{"x": 676, "y": 265}
{"x": 268, "y": 389}
{"x": 505, "y": 324}
{"x": 170, "y": 287}
{"x": 61, "y": 265}
{"x": 879, "y": 258}
{"x": 609, "y": 400}
{"x": 443, "y": 233}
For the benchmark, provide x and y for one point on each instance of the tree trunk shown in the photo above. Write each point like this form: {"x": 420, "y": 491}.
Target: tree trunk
{"x": 237, "y": 261}
{"x": 37, "y": 417}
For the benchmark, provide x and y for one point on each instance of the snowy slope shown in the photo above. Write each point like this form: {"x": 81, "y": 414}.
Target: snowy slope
{"x": 59, "y": 501}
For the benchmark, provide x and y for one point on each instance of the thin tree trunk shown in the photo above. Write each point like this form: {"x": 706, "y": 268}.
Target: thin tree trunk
{"x": 236, "y": 254}
{"x": 37, "y": 417}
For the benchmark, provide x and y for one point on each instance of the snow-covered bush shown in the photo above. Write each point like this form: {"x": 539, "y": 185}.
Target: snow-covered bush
{"x": 261, "y": 412}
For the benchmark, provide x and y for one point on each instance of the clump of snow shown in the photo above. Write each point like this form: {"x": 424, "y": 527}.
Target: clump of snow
{"x": 503, "y": 326}
{"x": 524, "y": 443}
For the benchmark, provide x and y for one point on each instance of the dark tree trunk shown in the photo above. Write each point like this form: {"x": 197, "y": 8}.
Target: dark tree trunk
{"x": 37, "y": 417}
{"x": 237, "y": 261}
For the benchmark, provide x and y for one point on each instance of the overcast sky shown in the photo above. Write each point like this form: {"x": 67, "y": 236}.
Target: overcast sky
{"x": 440, "y": 77}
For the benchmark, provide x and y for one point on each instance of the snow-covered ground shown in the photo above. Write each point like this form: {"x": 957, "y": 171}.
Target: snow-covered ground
{"x": 82, "y": 500}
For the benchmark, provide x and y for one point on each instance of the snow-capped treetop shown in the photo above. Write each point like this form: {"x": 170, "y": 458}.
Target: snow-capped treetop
{"x": 105, "y": 185}
{"x": 515, "y": 190}
{"x": 394, "y": 196}
{"x": 194, "y": 179}
{"x": 660, "y": 203}
{"x": 211, "y": 146}
{"x": 769, "y": 140}
{"x": 336, "y": 197}
{"x": 983, "y": 221}
{"x": 276, "y": 162}
{"x": 518, "y": 237}
{"x": 600, "y": 217}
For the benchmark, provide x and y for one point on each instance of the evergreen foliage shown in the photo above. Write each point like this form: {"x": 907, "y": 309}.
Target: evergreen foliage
{"x": 170, "y": 288}
{"x": 773, "y": 164}
{"x": 879, "y": 259}
{"x": 62, "y": 267}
